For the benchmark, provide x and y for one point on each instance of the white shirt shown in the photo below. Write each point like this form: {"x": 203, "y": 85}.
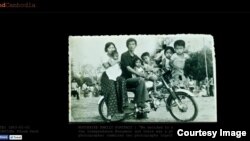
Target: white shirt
{"x": 179, "y": 63}
{"x": 114, "y": 71}
{"x": 74, "y": 86}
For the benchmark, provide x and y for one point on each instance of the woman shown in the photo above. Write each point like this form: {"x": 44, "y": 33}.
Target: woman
{"x": 114, "y": 91}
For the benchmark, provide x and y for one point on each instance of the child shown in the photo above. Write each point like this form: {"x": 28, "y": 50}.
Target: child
{"x": 148, "y": 64}
{"x": 168, "y": 52}
{"x": 114, "y": 71}
{"x": 150, "y": 68}
{"x": 138, "y": 67}
{"x": 177, "y": 62}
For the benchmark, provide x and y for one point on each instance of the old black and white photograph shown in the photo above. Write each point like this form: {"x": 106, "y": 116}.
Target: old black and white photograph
{"x": 142, "y": 78}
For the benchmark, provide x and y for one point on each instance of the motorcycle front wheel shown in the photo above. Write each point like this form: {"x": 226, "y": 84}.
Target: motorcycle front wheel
{"x": 184, "y": 108}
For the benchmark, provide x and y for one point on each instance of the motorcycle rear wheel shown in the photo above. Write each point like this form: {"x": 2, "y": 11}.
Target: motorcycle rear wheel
{"x": 103, "y": 113}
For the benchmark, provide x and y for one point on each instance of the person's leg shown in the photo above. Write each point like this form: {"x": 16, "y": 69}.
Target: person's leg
{"x": 192, "y": 89}
{"x": 141, "y": 93}
{"x": 77, "y": 95}
{"x": 73, "y": 93}
{"x": 121, "y": 93}
{"x": 133, "y": 83}
{"x": 124, "y": 91}
{"x": 183, "y": 81}
{"x": 153, "y": 78}
{"x": 109, "y": 92}
{"x": 176, "y": 80}
{"x": 118, "y": 96}
{"x": 211, "y": 90}
{"x": 112, "y": 101}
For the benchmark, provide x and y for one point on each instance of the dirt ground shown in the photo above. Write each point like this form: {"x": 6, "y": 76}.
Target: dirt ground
{"x": 86, "y": 110}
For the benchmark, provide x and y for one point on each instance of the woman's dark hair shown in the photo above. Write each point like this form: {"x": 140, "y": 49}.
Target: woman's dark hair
{"x": 107, "y": 46}
{"x": 179, "y": 43}
{"x": 168, "y": 48}
{"x": 131, "y": 40}
{"x": 145, "y": 54}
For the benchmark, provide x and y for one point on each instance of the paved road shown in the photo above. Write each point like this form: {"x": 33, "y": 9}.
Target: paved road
{"x": 86, "y": 110}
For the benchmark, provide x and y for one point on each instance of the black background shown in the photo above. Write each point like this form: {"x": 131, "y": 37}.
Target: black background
{"x": 34, "y": 59}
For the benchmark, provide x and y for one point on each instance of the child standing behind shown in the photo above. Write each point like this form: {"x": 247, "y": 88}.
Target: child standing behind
{"x": 168, "y": 52}
{"x": 177, "y": 61}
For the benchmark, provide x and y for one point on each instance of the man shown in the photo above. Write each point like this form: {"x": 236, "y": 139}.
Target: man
{"x": 127, "y": 65}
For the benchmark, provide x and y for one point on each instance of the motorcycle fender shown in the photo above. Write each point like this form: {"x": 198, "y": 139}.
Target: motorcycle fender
{"x": 100, "y": 99}
{"x": 185, "y": 91}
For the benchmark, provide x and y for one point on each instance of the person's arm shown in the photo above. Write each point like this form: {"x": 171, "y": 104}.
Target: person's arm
{"x": 110, "y": 63}
{"x": 167, "y": 65}
{"x": 187, "y": 56}
{"x": 164, "y": 67}
{"x": 158, "y": 55}
{"x": 130, "y": 69}
{"x": 106, "y": 65}
{"x": 125, "y": 65}
{"x": 171, "y": 64}
{"x": 155, "y": 67}
{"x": 105, "y": 62}
{"x": 171, "y": 61}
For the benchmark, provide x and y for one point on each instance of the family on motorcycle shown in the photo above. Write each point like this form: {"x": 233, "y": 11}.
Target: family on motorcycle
{"x": 134, "y": 72}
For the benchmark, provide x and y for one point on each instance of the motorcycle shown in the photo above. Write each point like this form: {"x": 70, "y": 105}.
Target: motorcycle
{"x": 179, "y": 102}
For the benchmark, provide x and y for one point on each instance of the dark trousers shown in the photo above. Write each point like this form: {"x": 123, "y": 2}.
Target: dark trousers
{"x": 75, "y": 94}
{"x": 122, "y": 97}
{"x": 211, "y": 90}
{"x": 141, "y": 93}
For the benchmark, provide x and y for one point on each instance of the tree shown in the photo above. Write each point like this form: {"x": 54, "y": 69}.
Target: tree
{"x": 196, "y": 65}
{"x": 88, "y": 81}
